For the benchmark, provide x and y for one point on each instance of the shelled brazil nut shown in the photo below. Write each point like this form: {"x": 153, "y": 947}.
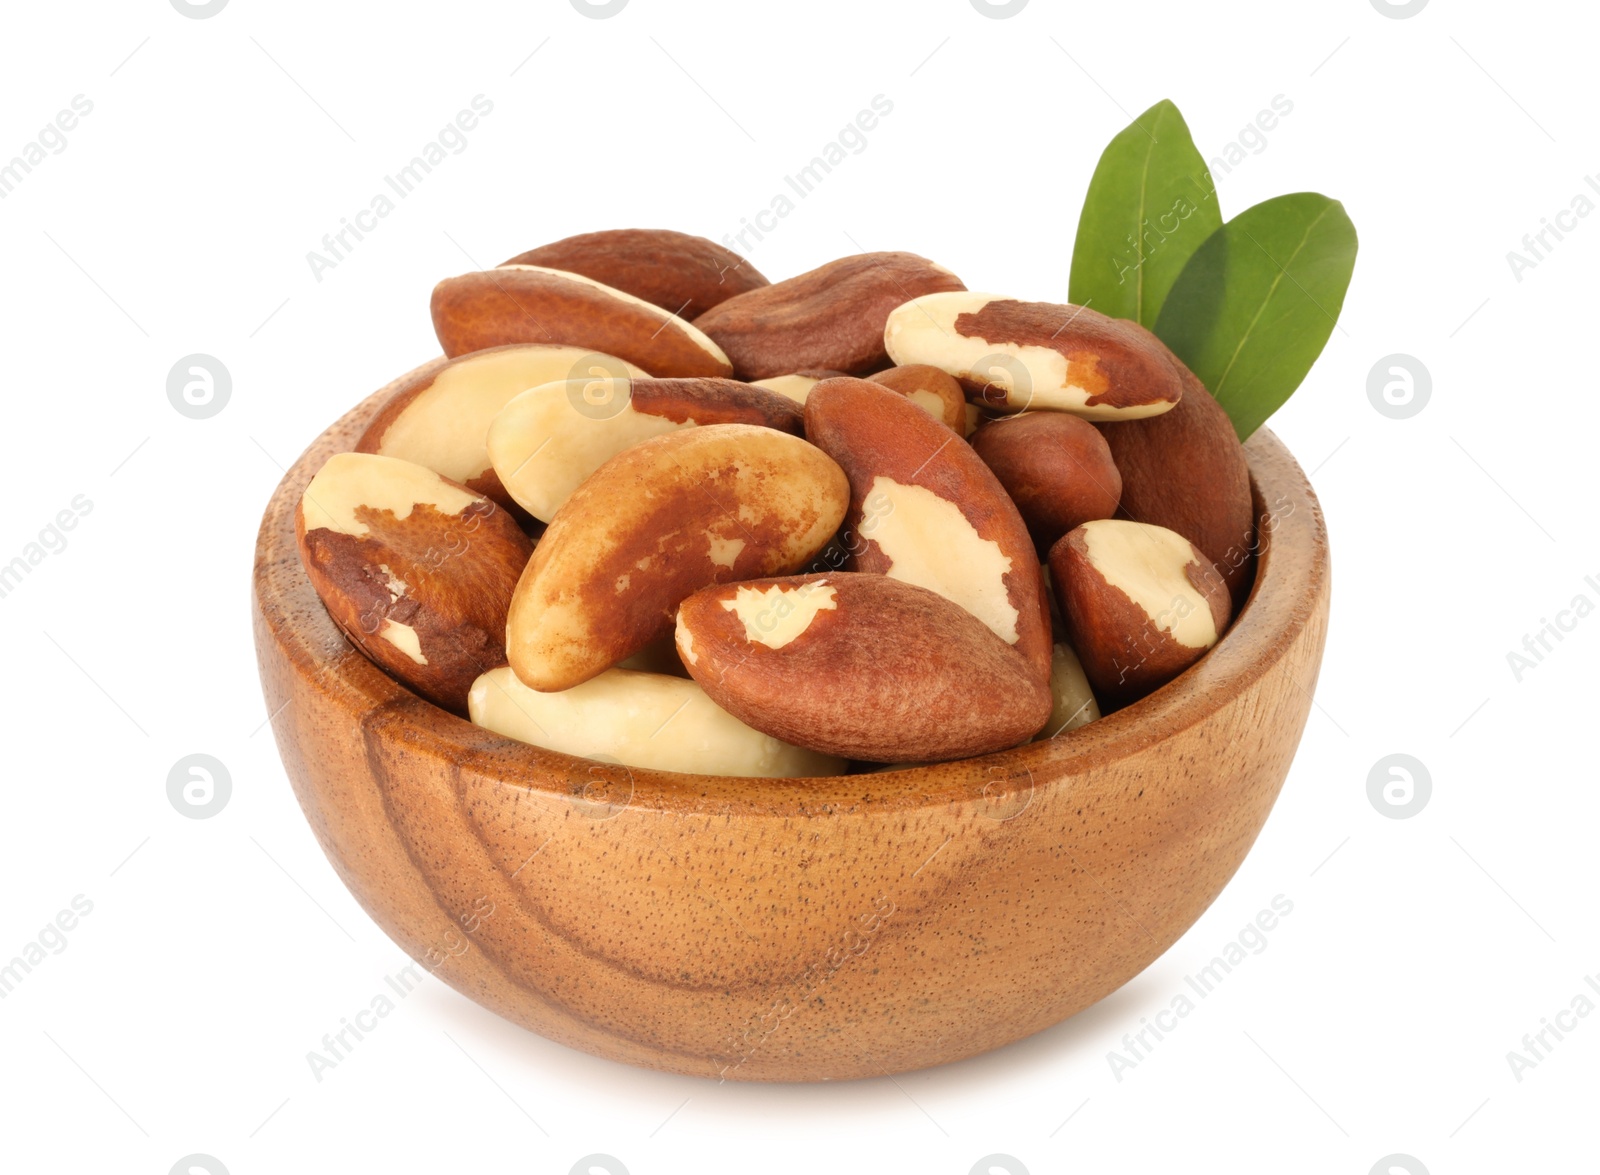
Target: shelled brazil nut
{"x": 1020, "y": 355}
{"x": 831, "y": 317}
{"x": 1185, "y": 470}
{"x": 1141, "y": 604}
{"x": 416, "y": 569}
{"x": 796, "y": 385}
{"x": 656, "y": 523}
{"x": 930, "y": 512}
{"x": 1056, "y": 467}
{"x": 642, "y": 720}
{"x": 440, "y": 418}
{"x": 682, "y": 274}
{"x": 859, "y": 665}
{"x": 547, "y": 440}
{"x": 531, "y": 304}
{"x": 935, "y": 392}
{"x": 829, "y": 563}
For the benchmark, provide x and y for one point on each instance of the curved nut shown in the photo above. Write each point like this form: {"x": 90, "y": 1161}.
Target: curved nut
{"x": 642, "y": 720}
{"x": 527, "y": 304}
{"x": 656, "y": 523}
{"x": 1185, "y": 470}
{"x": 1056, "y": 467}
{"x": 440, "y": 419}
{"x": 924, "y": 508}
{"x": 548, "y": 439}
{"x": 1141, "y": 604}
{"x": 1021, "y": 355}
{"x": 417, "y": 570}
{"x": 683, "y": 274}
{"x": 831, "y": 317}
{"x": 935, "y": 392}
{"x": 863, "y": 666}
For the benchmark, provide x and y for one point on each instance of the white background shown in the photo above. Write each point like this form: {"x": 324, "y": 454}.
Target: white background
{"x": 178, "y": 1016}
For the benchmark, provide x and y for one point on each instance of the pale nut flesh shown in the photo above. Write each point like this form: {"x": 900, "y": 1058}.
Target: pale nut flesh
{"x": 1072, "y": 698}
{"x": 441, "y": 419}
{"x": 547, "y": 440}
{"x": 1140, "y": 603}
{"x": 644, "y": 720}
{"x": 925, "y": 509}
{"x": 1036, "y": 355}
{"x": 657, "y": 522}
{"x": 797, "y": 385}
{"x": 935, "y": 392}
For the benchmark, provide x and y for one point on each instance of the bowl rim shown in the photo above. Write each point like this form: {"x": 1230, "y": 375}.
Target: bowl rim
{"x": 1292, "y": 567}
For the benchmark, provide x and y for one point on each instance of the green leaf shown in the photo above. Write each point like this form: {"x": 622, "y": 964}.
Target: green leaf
{"x": 1150, "y": 205}
{"x": 1256, "y": 303}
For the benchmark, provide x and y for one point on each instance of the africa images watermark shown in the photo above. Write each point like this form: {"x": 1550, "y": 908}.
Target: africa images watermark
{"x": 1537, "y": 246}
{"x": 52, "y": 140}
{"x": 451, "y": 140}
{"x": 1251, "y": 940}
{"x": 1252, "y": 137}
{"x": 1163, "y": 224}
{"x": 1537, "y": 645}
{"x": 1537, "y": 1046}
{"x": 337, "y": 1046}
{"x": 52, "y": 938}
{"x": 51, "y": 540}
{"x": 851, "y": 140}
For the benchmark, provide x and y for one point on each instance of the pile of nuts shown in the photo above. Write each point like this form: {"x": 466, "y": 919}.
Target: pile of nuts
{"x": 655, "y": 509}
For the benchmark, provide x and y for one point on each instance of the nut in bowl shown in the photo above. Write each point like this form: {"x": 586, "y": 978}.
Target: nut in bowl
{"x": 793, "y": 762}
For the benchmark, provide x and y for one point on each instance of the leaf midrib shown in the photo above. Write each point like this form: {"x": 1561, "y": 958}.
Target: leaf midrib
{"x": 1272, "y": 291}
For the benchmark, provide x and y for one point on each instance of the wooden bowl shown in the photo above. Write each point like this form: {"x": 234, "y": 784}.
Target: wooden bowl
{"x": 793, "y": 930}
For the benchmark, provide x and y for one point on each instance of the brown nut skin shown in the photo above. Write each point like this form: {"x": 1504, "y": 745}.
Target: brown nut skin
{"x": 716, "y": 401}
{"x": 1185, "y": 470}
{"x": 1014, "y": 355}
{"x": 438, "y": 580}
{"x": 683, "y": 274}
{"x": 866, "y": 667}
{"x": 929, "y": 388}
{"x": 527, "y": 304}
{"x": 656, "y": 523}
{"x": 1132, "y": 641}
{"x": 1056, "y": 467}
{"x": 831, "y": 317}
{"x": 891, "y": 451}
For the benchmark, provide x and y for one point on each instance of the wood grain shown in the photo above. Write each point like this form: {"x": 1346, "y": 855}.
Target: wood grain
{"x": 793, "y": 930}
